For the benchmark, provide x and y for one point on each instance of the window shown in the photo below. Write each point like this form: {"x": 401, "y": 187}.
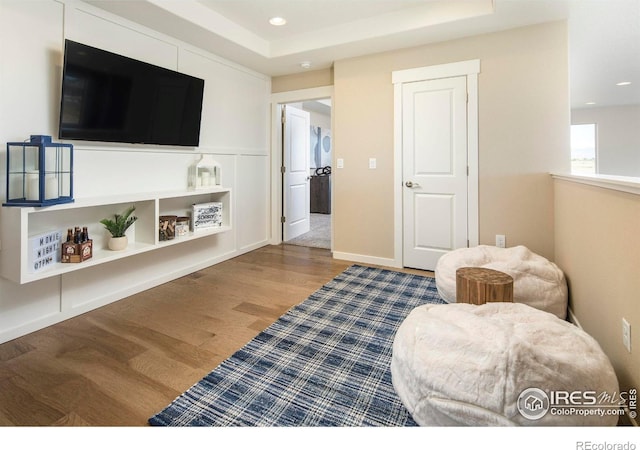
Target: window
{"x": 583, "y": 148}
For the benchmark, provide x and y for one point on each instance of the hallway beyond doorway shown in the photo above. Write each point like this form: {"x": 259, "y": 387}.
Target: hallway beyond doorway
{"x": 319, "y": 235}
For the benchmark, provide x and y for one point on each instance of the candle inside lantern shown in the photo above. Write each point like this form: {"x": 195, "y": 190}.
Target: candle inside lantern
{"x": 206, "y": 179}
{"x": 32, "y": 186}
{"x": 51, "y": 187}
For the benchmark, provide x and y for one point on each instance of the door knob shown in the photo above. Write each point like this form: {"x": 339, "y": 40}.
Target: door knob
{"x": 411, "y": 184}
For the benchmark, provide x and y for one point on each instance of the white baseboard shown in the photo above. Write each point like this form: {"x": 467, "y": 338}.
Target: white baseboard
{"x": 365, "y": 259}
{"x": 252, "y": 247}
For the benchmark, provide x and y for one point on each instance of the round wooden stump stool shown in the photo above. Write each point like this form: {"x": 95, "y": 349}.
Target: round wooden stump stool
{"x": 478, "y": 285}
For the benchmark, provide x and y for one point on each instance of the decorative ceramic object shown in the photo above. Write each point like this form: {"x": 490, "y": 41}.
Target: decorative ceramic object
{"x": 118, "y": 243}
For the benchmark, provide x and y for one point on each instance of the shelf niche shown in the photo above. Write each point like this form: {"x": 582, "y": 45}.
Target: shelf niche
{"x": 17, "y": 225}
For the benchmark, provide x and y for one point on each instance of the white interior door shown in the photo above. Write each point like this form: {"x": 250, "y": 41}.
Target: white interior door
{"x": 296, "y": 159}
{"x": 434, "y": 154}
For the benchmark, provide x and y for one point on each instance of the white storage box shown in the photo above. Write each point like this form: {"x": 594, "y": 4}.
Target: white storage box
{"x": 206, "y": 215}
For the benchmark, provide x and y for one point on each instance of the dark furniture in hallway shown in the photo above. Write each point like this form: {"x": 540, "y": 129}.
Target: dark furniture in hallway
{"x": 321, "y": 194}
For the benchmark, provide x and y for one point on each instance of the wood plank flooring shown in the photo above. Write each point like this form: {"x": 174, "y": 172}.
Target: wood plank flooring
{"x": 120, "y": 364}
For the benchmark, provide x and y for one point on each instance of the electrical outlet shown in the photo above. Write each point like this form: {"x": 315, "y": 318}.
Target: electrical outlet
{"x": 501, "y": 240}
{"x": 372, "y": 163}
{"x": 626, "y": 334}
{"x": 340, "y": 163}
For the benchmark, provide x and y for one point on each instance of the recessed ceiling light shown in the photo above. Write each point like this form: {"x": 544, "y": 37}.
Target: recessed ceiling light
{"x": 277, "y": 21}
{"x": 590, "y": 103}
{"x": 305, "y": 65}
{"x": 623, "y": 83}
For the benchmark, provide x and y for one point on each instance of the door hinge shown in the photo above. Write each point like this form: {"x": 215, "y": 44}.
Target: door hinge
{"x": 283, "y": 169}
{"x": 283, "y": 219}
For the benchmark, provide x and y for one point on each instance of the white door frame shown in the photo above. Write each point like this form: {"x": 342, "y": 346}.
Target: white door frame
{"x": 277, "y": 100}
{"x": 470, "y": 69}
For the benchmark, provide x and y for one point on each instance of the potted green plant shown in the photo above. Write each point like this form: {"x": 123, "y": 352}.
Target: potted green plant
{"x": 118, "y": 227}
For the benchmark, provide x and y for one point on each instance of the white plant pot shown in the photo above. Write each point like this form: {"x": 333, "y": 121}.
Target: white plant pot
{"x": 118, "y": 243}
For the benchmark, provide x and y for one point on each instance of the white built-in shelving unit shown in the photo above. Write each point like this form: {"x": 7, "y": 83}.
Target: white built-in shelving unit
{"x": 18, "y": 224}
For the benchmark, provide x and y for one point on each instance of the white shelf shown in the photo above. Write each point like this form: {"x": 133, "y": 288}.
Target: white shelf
{"x": 100, "y": 256}
{"x": 194, "y": 235}
{"x": 19, "y": 224}
{"x": 129, "y": 198}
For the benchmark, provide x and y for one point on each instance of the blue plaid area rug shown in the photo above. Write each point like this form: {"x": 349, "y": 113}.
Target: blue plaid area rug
{"x": 323, "y": 363}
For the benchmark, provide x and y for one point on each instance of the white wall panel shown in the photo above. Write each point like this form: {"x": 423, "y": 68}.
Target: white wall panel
{"x": 229, "y": 120}
{"x": 100, "y": 30}
{"x": 252, "y": 200}
{"x": 234, "y": 128}
{"x": 24, "y": 308}
{"x": 102, "y": 172}
{"x": 30, "y": 68}
{"x": 29, "y": 83}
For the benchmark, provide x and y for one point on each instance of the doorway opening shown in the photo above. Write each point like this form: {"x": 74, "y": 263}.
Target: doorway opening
{"x": 306, "y": 175}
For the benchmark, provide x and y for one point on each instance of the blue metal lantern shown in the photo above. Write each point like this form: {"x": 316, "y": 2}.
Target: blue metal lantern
{"x": 39, "y": 172}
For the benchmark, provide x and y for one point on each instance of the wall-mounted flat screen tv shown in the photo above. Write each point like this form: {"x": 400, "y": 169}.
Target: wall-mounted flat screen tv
{"x": 111, "y": 98}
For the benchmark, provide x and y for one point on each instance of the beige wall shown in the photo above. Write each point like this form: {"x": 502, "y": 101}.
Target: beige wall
{"x": 524, "y": 134}
{"x": 598, "y": 247}
{"x": 302, "y": 80}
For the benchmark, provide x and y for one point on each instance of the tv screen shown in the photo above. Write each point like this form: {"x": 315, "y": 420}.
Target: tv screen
{"x": 111, "y": 98}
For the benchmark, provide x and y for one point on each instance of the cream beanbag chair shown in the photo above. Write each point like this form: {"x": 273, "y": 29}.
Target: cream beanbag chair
{"x": 462, "y": 364}
{"x": 537, "y": 282}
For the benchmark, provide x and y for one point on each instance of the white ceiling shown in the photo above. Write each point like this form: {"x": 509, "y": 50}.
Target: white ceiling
{"x": 604, "y": 35}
